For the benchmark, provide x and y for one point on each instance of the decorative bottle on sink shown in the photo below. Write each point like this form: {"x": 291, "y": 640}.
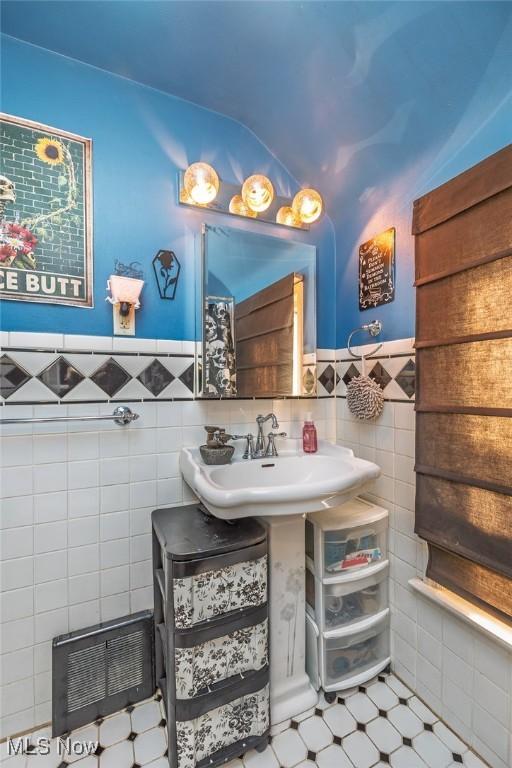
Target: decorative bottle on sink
{"x": 309, "y": 436}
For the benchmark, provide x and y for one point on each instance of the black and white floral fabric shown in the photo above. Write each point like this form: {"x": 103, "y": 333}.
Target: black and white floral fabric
{"x": 220, "y": 367}
{"x": 205, "y": 664}
{"x": 240, "y": 719}
{"x": 205, "y": 595}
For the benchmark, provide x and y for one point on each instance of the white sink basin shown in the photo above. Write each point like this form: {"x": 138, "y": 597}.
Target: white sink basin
{"x": 292, "y": 483}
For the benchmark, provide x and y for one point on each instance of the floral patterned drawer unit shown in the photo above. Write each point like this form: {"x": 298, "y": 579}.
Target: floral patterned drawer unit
{"x": 218, "y": 659}
{"x": 211, "y": 638}
{"x": 206, "y": 595}
{"x": 232, "y": 723}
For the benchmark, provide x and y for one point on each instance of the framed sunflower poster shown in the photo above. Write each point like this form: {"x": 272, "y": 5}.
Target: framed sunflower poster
{"x": 45, "y": 214}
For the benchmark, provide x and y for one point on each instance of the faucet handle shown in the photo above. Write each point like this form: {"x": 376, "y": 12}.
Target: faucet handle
{"x": 271, "y": 449}
{"x": 249, "y": 446}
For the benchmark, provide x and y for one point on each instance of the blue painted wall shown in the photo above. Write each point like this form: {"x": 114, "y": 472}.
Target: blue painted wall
{"x": 141, "y": 137}
{"x": 419, "y": 148}
{"x": 373, "y": 104}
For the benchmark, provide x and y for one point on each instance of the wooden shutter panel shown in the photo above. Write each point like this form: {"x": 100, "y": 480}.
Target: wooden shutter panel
{"x": 264, "y": 332}
{"x": 463, "y": 248}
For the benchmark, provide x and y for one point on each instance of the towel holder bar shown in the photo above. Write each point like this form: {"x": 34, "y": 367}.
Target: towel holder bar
{"x": 122, "y": 415}
{"x": 374, "y": 327}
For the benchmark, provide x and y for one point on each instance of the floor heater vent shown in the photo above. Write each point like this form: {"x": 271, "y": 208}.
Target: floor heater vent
{"x": 101, "y": 669}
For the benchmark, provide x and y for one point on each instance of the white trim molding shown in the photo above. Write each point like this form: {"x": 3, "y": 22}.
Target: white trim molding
{"x": 476, "y": 617}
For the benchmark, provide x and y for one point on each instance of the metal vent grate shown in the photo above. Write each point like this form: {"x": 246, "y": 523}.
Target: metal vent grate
{"x": 125, "y": 662}
{"x": 86, "y": 676}
{"x": 99, "y": 670}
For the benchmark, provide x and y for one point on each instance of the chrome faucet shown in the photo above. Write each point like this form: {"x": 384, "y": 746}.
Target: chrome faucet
{"x": 260, "y": 448}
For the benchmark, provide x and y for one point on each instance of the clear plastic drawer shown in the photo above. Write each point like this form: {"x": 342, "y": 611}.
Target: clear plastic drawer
{"x": 349, "y": 538}
{"x": 351, "y": 598}
{"x": 348, "y": 658}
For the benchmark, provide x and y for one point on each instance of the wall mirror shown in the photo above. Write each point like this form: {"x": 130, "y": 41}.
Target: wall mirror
{"x": 257, "y": 315}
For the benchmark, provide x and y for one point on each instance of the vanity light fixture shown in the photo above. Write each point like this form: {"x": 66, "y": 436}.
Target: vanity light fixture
{"x": 239, "y": 208}
{"x": 286, "y": 216}
{"x": 199, "y": 186}
{"x": 201, "y": 183}
{"x": 124, "y": 297}
{"x": 257, "y": 192}
{"x": 307, "y": 205}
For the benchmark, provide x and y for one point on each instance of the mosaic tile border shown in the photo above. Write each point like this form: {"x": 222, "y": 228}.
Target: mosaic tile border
{"x": 395, "y": 375}
{"x": 60, "y": 376}
{"x": 393, "y": 368}
{"x": 141, "y": 370}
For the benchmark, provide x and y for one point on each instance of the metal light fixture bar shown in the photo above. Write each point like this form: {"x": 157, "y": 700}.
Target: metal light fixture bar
{"x": 221, "y": 204}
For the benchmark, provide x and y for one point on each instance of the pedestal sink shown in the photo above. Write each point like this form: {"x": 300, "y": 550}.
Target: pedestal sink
{"x": 280, "y": 490}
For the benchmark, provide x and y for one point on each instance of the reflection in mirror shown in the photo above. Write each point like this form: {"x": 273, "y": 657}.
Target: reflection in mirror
{"x": 258, "y": 320}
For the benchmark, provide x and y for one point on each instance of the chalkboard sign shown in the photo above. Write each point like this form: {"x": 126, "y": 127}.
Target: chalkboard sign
{"x": 377, "y": 270}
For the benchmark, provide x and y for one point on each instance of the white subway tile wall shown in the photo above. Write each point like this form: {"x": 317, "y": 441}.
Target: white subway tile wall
{"x": 76, "y": 511}
{"x": 77, "y": 500}
{"x": 463, "y": 676}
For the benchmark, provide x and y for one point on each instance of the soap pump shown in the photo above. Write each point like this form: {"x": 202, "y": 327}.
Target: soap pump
{"x": 309, "y": 436}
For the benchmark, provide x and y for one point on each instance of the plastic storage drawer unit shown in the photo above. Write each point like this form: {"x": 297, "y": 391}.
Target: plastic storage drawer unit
{"x": 348, "y": 599}
{"x": 347, "y": 626}
{"x": 349, "y": 538}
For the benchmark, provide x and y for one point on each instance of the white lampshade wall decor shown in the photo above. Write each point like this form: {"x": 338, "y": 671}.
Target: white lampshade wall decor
{"x": 124, "y": 297}
{"x": 200, "y": 186}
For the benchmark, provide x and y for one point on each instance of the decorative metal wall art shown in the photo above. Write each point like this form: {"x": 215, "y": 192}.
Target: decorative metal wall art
{"x": 133, "y": 269}
{"x": 377, "y": 270}
{"x": 167, "y": 271}
{"x": 45, "y": 214}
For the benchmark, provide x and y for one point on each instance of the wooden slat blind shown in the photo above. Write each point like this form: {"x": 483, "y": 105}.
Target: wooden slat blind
{"x": 264, "y": 332}
{"x": 463, "y": 248}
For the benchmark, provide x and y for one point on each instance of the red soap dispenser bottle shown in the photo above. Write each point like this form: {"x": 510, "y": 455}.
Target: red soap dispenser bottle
{"x": 309, "y": 436}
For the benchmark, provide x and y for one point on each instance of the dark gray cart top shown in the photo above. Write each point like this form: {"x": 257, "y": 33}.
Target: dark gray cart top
{"x": 187, "y": 533}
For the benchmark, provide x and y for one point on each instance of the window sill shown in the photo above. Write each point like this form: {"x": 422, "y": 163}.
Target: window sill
{"x": 477, "y": 618}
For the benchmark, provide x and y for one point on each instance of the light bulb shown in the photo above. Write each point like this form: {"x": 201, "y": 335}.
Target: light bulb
{"x": 201, "y": 183}
{"x": 257, "y": 192}
{"x": 237, "y": 206}
{"x": 307, "y": 205}
{"x": 285, "y": 215}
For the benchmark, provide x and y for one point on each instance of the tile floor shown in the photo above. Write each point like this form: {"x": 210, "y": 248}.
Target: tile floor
{"x": 377, "y": 725}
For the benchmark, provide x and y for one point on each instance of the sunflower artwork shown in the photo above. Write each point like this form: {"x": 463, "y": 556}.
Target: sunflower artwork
{"x": 45, "y": 214}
